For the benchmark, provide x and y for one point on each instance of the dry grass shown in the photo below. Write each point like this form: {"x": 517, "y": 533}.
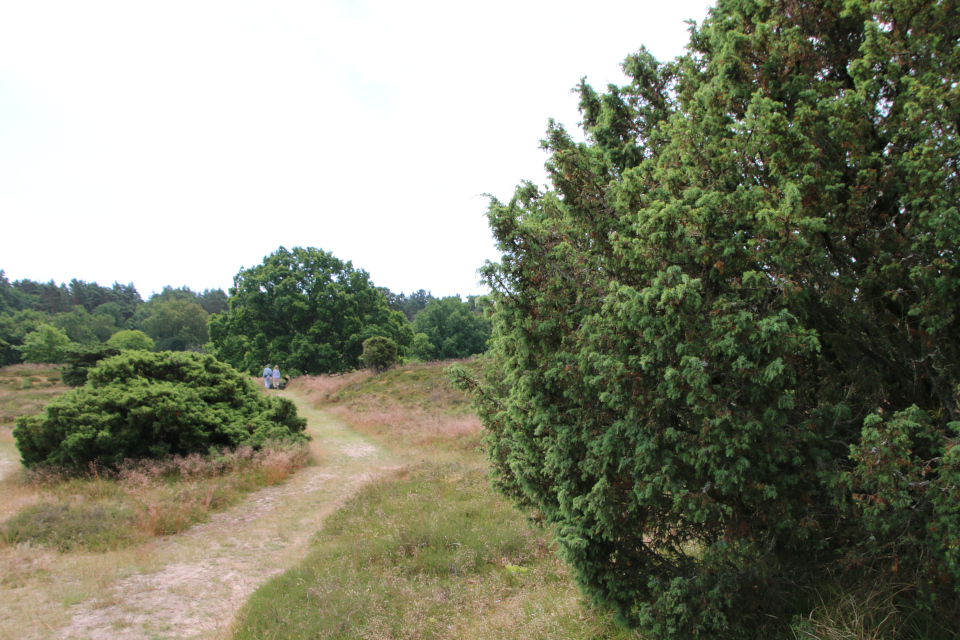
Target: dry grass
{"x": 321, "y": 390}
{"x": 413, "y": 408}
{"x": 867, "y": 615}
{"x": 25, "y": 389}
{"x": 872, "y": 605}
{"x": 430, "y": 552}
{"x": 146, "y": 498}
{"x": 417, "y": 429}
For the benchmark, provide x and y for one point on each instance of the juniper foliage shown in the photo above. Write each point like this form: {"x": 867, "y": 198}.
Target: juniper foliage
{"x": 151, "y": 405}
{"x": 726, "y": 340}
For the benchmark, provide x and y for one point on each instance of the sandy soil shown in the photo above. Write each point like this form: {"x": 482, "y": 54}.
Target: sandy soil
{"x": 7, "y": 464}
{"x": 192, "y": 584}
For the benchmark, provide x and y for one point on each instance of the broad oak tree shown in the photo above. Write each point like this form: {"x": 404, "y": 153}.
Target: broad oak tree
{"x": 726, "y": 340}
{"x": 305, "y": 310}
{"x": 176, "y": 325}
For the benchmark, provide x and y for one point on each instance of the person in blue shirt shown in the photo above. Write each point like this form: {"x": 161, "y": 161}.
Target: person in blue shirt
{"x": 267, "y": 374}
{"x": 276, "y": 376}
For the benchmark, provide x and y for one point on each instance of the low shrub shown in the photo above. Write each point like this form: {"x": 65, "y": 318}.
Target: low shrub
{"x": 379, "y": 353}
{"x": 80, "y": 358}
{"x": 152, "y": 405}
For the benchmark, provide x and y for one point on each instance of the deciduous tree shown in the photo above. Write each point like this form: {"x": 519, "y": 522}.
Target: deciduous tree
{"x": 453, "y": 327}
{"x": 177, "y": 325}
{"x": 306, "y": 310}
{"x": 131, "y": 339}
{"x": 47, "y": 344}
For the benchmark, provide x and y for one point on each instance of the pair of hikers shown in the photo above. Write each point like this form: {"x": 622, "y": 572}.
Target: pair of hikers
{"x": 271, "y": 374}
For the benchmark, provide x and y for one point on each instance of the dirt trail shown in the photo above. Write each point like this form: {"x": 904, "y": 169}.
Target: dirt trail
{"x": 200, "y": 578}
{"x": 7, "y": 464}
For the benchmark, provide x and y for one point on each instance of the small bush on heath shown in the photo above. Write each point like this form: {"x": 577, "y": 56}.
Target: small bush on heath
{"x": 151, "y": 405}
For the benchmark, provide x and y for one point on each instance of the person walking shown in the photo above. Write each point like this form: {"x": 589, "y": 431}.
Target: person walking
{"x": 276, "y": 376}
{"x": 267, "y": 375}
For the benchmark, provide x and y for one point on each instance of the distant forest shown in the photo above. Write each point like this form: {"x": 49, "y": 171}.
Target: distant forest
{"x": 177, "y": 318}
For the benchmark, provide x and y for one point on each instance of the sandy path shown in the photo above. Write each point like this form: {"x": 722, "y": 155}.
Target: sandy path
{"x": 6, "y": 464}
{"x": 197, "y": 580}
{"x": 9, "y": 456}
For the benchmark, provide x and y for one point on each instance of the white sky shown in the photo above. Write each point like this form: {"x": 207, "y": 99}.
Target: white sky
{"x": 175, "y": 142}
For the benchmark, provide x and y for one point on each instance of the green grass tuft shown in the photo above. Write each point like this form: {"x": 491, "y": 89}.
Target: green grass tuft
{"x": 431, "y": 553}
{"x": 67, "y": 526}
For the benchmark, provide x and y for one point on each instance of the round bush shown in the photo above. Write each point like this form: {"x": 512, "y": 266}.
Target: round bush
{"x": 130, "y": 339}
{"x": 150, "y": 405}
{"x": 379, "y": 353}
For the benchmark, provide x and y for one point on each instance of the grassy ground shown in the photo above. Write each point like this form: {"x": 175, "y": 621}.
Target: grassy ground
{"x": 425, "y": 551}
{"x": 428, "y": 552}
{"x": 25, "y": 389}
{"x": 105, "y": 511}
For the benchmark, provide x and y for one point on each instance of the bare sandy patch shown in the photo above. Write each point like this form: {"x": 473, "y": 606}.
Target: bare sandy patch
{"x": 359, "y": 451}
{"x": 7, "y": 463}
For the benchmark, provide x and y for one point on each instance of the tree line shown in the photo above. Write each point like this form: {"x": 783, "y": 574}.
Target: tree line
{"x": 310, "y": 312}
{"x": 303, "y": 309}
{"x": 85, "y": 314}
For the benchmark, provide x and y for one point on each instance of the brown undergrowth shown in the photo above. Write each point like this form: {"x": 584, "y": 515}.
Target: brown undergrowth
{"x": 104, "y": 510}
{"x": 412, "y": 407}
{"x": 25, "y": 389}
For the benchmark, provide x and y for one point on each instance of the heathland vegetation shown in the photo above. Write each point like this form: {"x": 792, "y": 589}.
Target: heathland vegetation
{"x": 721, "y": 372}
{"x": 141, "y": 405}
{"x": 429, "y": 551}
{"x": 105, "y": 507}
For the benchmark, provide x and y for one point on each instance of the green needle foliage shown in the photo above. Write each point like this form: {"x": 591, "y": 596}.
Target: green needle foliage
{"x": 726, "y": 342}
{"x": 152, "y": 405}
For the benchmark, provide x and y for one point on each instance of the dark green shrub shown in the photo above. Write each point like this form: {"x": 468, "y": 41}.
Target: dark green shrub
{"x": 79, "y": 358}
{"x": 379, "y": 353}
{"x": 727, "y": 340}
{"x": 150, "y": 405}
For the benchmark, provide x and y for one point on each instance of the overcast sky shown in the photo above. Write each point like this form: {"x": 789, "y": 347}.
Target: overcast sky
{"x": 174, "y": 143}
